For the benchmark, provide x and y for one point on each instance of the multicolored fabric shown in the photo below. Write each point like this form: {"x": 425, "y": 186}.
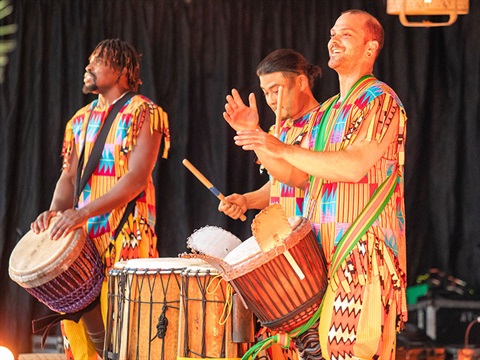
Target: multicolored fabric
{"x": 332, "y": 207}
{"x": 358, "y": 319}
{"x": 292, "y": 132}
{"x": 137, "y": 238}
{"x": 112, "y": 166}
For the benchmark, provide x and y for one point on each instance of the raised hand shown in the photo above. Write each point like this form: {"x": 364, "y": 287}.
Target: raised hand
{"x": 240, "y": 116}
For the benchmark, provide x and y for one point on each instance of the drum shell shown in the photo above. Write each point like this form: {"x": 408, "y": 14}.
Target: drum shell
{"x": 205, "y": 321}
{"x": 272, "y": 289}
{"x": 64, "y": 274}
{"x": 142, "y": 294}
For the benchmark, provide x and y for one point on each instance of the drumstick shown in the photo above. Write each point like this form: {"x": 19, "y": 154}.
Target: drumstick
{"x": 278, "y": 113}
{"x": 207, "y": 183}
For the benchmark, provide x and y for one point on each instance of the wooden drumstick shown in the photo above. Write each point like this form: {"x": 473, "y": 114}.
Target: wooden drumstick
{"x": 278, "y": 112}
{"x": 207, "y": 183}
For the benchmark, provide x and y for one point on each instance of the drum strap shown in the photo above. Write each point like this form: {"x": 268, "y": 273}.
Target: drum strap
{"x": 363, "y": 222}
{"x": 128, "y": 211}
{"x": 81, "y": 179}
{"x": 46, "y": 323}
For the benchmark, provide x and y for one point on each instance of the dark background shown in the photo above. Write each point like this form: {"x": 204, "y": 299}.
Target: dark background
{"x": 194, "y": 52}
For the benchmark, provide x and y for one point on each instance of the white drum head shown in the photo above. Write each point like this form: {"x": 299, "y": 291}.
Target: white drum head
{"x": 158, "y": 265}
{"x": 37, "y": 259}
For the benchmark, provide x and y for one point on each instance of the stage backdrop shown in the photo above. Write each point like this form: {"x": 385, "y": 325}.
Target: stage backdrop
{"x": 194, "y": 53}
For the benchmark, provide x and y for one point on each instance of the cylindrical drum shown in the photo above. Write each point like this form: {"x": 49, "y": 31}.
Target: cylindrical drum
{"x": 143, "y": 308}
{"x": 205, "y": 317}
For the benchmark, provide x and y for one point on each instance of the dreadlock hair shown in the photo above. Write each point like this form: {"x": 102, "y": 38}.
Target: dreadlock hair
{"x": 120, "y": 55}
{"x": 288, "y": 61}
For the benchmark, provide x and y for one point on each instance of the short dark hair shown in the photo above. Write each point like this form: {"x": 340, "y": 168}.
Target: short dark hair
{"x": 288, "y": 61}
{"x": 121, "y": 55}
{"x": 373, "y": 28}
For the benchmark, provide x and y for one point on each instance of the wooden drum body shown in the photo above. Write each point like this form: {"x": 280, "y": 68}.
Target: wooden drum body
{"x": 205, "y": 318}
{"x": 267, "y": 282}
{"x": 64, "y": 274}
{"x": 270, "y": 286}
{"x": 143, "y": 308}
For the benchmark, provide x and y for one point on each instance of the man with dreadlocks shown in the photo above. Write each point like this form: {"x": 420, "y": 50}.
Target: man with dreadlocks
{"x": 123, "y": 173}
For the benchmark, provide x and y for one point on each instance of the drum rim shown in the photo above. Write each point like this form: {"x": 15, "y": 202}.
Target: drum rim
{"x": 146, "y": 266}
{"x": 37, "y": 274}
{"x": 202, "y": 270}
{"x": 256, "y": 260}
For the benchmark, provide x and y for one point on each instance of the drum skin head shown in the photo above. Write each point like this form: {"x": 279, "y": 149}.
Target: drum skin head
{"x": 161, "y": 265}
{"x": 37, "y": 259}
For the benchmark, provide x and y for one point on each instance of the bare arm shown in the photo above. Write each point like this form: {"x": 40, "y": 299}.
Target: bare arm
{"x": 287, "y": 163}
{"x": 62, "y": 197}
{"x": 141, "y": 163}
{"x": 267, "y": 147}
{"x": 260, "y": 198}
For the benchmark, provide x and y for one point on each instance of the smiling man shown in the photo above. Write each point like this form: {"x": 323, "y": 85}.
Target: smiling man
{"x": 123, "y": 174}
{"x": 352, "y": 163}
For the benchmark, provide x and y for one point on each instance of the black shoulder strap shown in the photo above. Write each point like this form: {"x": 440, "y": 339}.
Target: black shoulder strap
{"x": 97, "y": 147}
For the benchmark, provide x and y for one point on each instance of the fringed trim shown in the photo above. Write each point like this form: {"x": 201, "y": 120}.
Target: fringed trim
{"x": 158, "y": 122}
{"x": 67, "y": 147}
{"x": 372, "y": 258}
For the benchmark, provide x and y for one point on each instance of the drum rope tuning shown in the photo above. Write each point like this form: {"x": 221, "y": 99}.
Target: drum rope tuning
{"x": 227, "y": 308}
{"x": 168, "y": 308}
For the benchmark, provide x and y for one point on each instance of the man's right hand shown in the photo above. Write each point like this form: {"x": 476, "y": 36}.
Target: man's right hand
{"x": 236, "y": 206}
{"x": 238, "y": 115}
{"x": 41, "y": 222}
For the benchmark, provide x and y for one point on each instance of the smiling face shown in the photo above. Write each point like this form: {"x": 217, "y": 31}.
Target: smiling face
{"x": 349, "y": 47}
{"x": 99, "y": 76}
{"x": 293, "y": 87}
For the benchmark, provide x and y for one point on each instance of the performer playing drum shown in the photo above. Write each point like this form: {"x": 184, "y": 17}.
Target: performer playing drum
{"x": 289, "y": 70}
{"x": 126, "y": 157}
{"x": 66, "y": 275}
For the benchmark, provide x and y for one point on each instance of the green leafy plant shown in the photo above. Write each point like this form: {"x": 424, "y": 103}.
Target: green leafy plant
{"x": 6, "y": 45}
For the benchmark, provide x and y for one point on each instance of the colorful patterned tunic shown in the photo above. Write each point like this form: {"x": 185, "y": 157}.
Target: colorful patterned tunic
{"x": 112, "y": 166}
{"x": 291, "y": 199}
{"x": 332, "y": 207}
{"x": 137, "y": 238}
{"x": 292, "y": 132}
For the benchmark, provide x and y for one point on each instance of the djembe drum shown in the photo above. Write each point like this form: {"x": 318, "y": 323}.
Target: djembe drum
{"x": 269, "y": 285}
{"x": 282, "y": 281}
{"x": 143, "y": 308}
{"x": 64, "y": 274}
